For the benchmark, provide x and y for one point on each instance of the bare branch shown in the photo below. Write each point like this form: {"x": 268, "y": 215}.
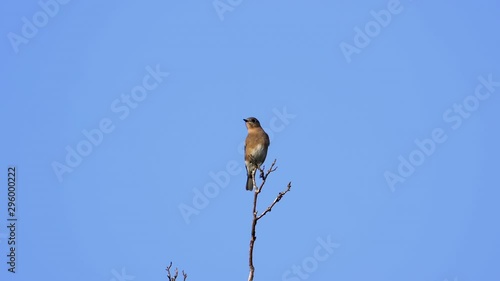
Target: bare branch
{"x": 253, "y": 237}
{"x": 264, "y": 176}
{"x": 176, "y": 273}
{"x": 278, "y": 198}
{"x": 255, "y": 217}
{"x": 168, "y": 272}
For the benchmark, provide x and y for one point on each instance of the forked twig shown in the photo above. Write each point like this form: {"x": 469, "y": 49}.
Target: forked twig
{"x": 174, "y": 278}
{"x": 256, "y": 217}
{"x": 278, "y": 198}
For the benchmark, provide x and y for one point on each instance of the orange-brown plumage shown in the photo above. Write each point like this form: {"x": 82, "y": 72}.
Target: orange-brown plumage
{"x": 256, "y": 145}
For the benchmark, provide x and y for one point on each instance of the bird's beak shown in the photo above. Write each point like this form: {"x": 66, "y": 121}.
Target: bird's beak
{"x": 245, "y": 120}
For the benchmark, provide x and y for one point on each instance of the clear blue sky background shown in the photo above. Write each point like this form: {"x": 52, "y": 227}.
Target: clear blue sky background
{"x": 119, "y": 208}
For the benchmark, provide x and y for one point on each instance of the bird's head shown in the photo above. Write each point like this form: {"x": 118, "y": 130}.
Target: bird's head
{"x": 252, "y": 122}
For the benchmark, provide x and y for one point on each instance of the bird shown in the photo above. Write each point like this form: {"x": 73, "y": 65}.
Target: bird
{"x": 256, "y": 145}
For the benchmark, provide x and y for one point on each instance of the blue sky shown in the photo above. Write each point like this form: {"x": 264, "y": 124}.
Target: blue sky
{"x": 383, "y": 115}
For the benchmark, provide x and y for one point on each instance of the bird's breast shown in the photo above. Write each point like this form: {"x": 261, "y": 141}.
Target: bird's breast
{"x": 258, "y": 151}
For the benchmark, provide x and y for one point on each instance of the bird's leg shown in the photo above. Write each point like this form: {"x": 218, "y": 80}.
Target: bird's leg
{"x": 253, "y": 180}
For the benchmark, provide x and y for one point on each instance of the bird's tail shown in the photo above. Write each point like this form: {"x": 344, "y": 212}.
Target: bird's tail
{"x": 249, "y": 182}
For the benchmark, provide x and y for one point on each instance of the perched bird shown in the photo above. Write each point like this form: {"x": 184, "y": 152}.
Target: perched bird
{"x": 256, "y": 145}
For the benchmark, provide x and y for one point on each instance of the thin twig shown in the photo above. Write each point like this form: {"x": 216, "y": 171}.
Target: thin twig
{"x": 253, "y": 237}
{"x": 168, "y": 272}
{"x": 255, "y": 217}
{"x": 264, "y": 176}
{"x": 278, "y": 198}
{"x": 173, "y": 278}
